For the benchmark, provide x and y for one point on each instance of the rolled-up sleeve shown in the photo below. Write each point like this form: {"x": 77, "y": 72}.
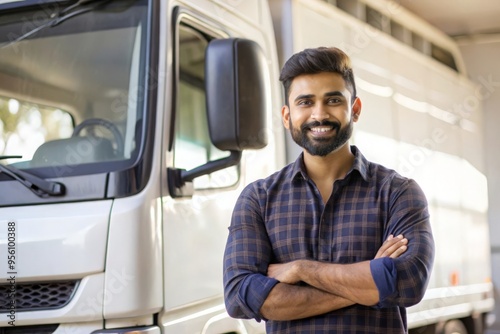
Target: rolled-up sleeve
{"x": 403, "y": 281}
{"x": 246, "y": 259}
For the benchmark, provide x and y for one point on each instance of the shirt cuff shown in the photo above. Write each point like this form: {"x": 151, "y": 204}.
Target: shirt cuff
{"x": 385, "y": 275}
{"x": 254, "y": 290}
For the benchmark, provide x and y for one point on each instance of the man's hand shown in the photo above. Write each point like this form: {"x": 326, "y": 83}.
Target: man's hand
{"x": 393, "y": 247}
{"x": 283, "y": 272}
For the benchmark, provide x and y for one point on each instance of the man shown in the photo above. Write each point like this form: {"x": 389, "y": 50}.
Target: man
{"x": 306, "y": 248}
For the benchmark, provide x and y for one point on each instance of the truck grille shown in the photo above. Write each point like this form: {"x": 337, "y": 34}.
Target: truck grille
{"x": 42, "y": 329}
{"x": 37, "y": 296}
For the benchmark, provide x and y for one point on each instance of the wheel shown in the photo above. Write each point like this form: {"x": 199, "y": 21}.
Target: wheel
{"x": 120, "y": 146}
{"x": 454, "y": 327}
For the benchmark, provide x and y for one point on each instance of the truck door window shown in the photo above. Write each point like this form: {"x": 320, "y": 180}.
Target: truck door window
{"x": 192, "y": 145}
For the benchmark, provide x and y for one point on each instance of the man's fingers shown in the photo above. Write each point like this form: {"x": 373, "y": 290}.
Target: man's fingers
{"x": 398, "y": 252}
{"x": 397, "y": 248}
{"x": 393, "y": 247}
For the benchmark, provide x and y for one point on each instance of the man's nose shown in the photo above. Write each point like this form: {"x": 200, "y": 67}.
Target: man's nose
{"x": 319, "y": 113}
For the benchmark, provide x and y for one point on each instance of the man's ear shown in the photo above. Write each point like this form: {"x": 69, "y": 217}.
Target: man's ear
{"x": 356, "y": 109}
{"x": 285, "y": 116}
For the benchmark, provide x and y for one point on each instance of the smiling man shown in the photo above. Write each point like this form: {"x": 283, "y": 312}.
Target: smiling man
{"x": 332, "y": 243}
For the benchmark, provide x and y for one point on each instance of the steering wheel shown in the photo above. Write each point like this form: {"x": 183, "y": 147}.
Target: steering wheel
{"x": 120, "y": 145}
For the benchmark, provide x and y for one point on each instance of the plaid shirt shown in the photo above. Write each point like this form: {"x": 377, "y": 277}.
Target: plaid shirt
{"x": 282, "y": 218}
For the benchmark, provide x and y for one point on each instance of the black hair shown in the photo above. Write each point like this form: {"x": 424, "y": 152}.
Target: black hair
{"x": 317, "y": 60}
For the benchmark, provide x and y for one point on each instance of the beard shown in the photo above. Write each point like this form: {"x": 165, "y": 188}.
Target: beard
{"x": 321, "y": 146}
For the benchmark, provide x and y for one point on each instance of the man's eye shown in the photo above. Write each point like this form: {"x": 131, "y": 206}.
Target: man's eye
{"x": 304, "y": 103}
{"x": 333, "y": 100}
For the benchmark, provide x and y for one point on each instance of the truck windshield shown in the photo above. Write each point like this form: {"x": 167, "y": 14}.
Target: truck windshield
{"x": 72, "y": 80}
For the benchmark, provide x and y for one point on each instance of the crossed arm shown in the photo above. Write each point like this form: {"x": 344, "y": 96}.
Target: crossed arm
{"x": 396, "y": 277}
{"x": 330, "y": 286}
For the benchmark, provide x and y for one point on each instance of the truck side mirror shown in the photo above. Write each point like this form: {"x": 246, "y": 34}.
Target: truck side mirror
{"x": 238, "y": 102}
{"x": 238, "y": 96}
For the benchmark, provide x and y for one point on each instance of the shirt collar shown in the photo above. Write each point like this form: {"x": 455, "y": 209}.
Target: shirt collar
{"x": 360, "y": 164}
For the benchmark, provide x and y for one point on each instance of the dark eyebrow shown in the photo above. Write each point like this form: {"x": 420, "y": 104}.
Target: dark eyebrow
{"x": 310, "y": 96}
{"x": 304, "y": 96}
{"x": 335, "y": 93}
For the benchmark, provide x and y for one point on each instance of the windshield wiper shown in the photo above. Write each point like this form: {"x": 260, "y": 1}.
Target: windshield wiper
{"x": 37, "y": 185}
{"x": 59, "y": 17}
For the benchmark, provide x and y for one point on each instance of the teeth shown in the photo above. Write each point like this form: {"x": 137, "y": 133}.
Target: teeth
{"x": 323, "y": 129}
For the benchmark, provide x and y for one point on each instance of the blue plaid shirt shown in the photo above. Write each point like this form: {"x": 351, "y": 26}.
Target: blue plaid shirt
{"x": 282, "y": 218}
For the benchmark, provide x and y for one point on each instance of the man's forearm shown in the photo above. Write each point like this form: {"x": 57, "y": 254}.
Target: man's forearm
{"x": 350, "y": 281}
{"x": 291, "y": 302}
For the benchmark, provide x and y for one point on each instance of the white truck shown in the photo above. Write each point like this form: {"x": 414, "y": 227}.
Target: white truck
{"x": 129, "y": 127}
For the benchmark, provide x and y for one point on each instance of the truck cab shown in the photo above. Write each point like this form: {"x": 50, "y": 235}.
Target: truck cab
{"x": 128, "y": 129}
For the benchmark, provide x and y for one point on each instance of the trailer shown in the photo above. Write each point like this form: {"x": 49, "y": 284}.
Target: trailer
{"x": 128, "y": 128}
{"x": 422, "y": 117}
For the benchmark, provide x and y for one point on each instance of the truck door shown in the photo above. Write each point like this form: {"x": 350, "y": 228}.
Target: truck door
{"x": 194, "y": 227}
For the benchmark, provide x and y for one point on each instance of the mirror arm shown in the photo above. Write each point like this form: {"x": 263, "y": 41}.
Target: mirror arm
{"x": 210, "y": 167}
{"x": 179, "y": 180}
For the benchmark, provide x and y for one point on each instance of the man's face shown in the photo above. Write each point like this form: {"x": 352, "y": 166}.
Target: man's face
{"x": 320, "y": 116}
